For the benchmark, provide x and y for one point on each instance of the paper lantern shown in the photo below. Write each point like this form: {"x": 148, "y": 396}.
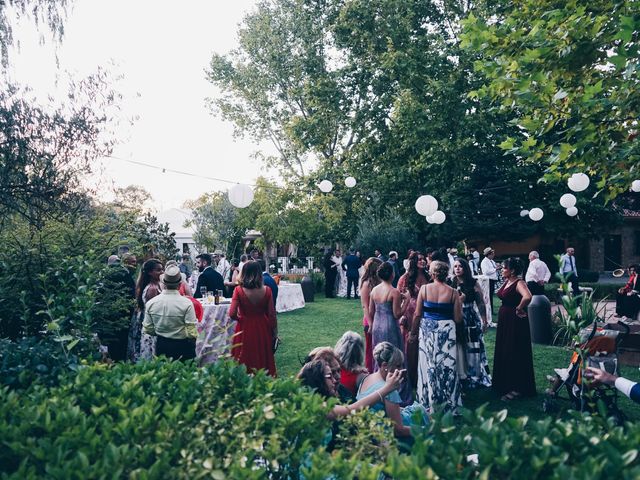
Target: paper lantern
{"x": 635, "y": 186}
{"x": 578, "y": 182}
{"x": 429, "y": 219}
{"x": 438, "y": 217}
{"x": 568, "y": 200}
{"x": 536, "y": 214}
{"x": 524, "y": 213}
{"x": 572, "y": 211}
{"x": 350, "y": 182}
{"x": 325, "y": 186}
{"x": 240, "y": 195}
{"x": 426, "y": 205}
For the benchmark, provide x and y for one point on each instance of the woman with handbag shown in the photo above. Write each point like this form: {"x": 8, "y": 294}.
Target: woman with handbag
{"x": 257, "y": 327}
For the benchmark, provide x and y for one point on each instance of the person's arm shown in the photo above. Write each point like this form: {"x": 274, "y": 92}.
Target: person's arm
{"x": 417, "y": 314}
{"x": 547, "y": 273}
{"x": 147, "y": 324}
{"x": 627, "y": 387}
{"x": 190, "y": 321}
{"x": 391, "y": 383}
{"x": 396, "y": 299}
{"x": 152, "y": 291}
{"x": 364, "y": 299}
{"x": 457, "y": 308}
{"x": 372, "y": 310}
{"x": 526, "y": 298}
{"x": 393, "y": 412}
{"x": 233, "y": 309}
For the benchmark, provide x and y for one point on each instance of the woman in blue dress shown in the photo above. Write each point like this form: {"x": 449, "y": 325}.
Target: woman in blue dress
{"x": 390, "y": 360}
{"x": 439, "y": 308}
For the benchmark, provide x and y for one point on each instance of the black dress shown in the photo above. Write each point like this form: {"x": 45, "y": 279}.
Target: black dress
{"x": 513, "y": 358}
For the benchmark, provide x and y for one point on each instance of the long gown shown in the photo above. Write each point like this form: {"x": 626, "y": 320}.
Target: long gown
{"x": 513, "y": 358}
{"x": 411, "y": 333}
{"x": 386, "y": 329}
{"x": 475, "y": 356}
{"x": 253, "y": 340}
{"x": 142, "y": 346}
{"x": 438, "y": 383}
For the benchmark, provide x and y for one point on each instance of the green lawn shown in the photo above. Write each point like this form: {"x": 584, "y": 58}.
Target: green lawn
{"x": 323, "y": 322}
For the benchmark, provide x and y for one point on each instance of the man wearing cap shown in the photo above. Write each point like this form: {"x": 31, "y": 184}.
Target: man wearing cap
{"x": 490, "y": 270}
{"x": 172, "y": 319}
{"x": 208, "y": 277}
{"x": 393, "y": 260}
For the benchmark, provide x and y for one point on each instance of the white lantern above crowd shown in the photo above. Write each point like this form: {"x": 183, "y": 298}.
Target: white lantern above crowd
{"x": 635, "y": 186}
{"x": 568, "y": 200}
{"x": 524, "y": 213}
{"x": 426, "y": 205}
{"x": 240, "y": 195}
{"x": 325, "y": 186}
{"x": 536, "y": 214}
{"x": 350, "y": 182}
{"x": 578, "y": 182}
{"x": 572, "y": 211}
{"x": 438, "y": 217}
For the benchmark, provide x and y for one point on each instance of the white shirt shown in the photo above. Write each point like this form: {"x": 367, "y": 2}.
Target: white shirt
{"x": 223, "y": 268}
{"x": 537, "y": 271}
{"x": 240, "y": 265}
{"x": 489, "y": 268}
{"x": 568, "y": 264}
{"x": 476, "y": 258}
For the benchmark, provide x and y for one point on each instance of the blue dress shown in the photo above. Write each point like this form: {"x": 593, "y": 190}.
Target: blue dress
{"x": 438, "y": 384}
{"x": 407, "y": 412}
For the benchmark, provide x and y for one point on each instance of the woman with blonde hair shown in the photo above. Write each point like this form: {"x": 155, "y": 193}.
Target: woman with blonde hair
{"x": 368, "y": 282}
{"x": 439, "y": 309}
{"x": 350, "y": 353}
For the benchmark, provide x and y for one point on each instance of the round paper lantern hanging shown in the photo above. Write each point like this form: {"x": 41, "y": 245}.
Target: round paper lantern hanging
{"x": 568, "y": 200}
{"x": 429, "y": 219}
{"x": 635, "y": 186}
{"x": 536, "y": 214}
{"x": 578, "y": 182}
{"x": 240, "y": 195}
{"x": 439, "y": 217}
{"x": 572, "y": 211}
{"x": 426, "y": 205}
{"x": 325, "y": 186}
{"x": 524, "y": 213}
{"x": 350, "y": 182}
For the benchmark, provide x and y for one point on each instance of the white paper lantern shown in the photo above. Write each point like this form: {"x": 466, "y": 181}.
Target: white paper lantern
{"x": 635, "y": 186}
{"x": 578, "y": 182}
{"x": 572, "y": 211}
{"x": 438, "y": 217}
{"x": 426, "y": 205}
{"x": 240, "y": 195}
{"x": 350, "y": 182}
{"x": 325, "y": 186}
{"x": 429, "y": 219}
{"x": 568, "y": 200}
{"x": 536, "y": 214}
{"x": 524, "y": 213}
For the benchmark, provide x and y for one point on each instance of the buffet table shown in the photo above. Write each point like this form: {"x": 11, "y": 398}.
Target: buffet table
{"x": 290, "y": 297}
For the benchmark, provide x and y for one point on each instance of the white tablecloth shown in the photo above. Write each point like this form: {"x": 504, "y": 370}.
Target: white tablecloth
{"x": 290, "y": 297}
{"x": 215, "y": 333}
{"x": 484, "y": 285}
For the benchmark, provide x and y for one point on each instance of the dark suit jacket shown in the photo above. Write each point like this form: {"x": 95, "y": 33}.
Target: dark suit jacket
{"x": 211, "y": 279}
{"x": 351, "y": 264}
{"x": 271, "y": 283}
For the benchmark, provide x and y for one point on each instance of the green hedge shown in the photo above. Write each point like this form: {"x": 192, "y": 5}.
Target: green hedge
{"x": 171, "y": 420}
{"x": 600, "y": 290}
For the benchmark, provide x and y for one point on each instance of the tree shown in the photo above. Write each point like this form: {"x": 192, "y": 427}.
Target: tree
{"x": 570, "y": 72}
{"x": 134, "y": 198}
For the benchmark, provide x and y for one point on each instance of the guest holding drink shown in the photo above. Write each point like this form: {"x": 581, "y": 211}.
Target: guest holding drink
{"x": 513, "y": 359}
{"x": 252, "y": 306}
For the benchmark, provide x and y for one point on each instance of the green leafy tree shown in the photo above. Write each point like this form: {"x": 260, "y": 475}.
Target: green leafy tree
{"x": 569, "y": 70}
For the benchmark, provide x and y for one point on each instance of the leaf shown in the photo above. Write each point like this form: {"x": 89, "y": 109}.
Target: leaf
{"x": 72, "y": 344}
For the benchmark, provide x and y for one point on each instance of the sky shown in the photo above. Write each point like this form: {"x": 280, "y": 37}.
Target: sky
{"x": 161, "y": 49}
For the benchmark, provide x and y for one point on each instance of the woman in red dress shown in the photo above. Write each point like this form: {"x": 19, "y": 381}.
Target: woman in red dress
{"x": 252, "y": 306}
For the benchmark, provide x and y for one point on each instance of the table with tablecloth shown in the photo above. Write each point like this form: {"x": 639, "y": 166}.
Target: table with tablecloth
{"x": 215, "y": 332}
{"x": 483, "y": 281}
{"x": 290, "y": 297}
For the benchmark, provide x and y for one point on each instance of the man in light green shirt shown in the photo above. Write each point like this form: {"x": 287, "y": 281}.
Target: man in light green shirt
{"x": 171, "y": 317}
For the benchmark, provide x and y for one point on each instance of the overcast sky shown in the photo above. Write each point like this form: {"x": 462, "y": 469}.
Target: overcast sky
{"x": 162, "y": 49}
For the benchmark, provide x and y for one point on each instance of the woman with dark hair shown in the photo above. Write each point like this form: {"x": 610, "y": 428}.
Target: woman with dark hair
{"x": 439, "y": 308}
{"x": 385, "y": 307}
{"x": 513, "y": 359}
{"x": 142, "y": 346}
{"x": 252, "y": 306}
{"x": 474, "y": 357}
{"x": 409, "y": 285}
{"x": 368, "y": 282}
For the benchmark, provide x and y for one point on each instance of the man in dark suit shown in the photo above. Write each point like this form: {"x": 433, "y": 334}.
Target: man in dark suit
{"x": 269, "y": 281}
{"x": 330, "y": 273}
{"x": 208, "y": 276}
{"x": 351, "y": 264}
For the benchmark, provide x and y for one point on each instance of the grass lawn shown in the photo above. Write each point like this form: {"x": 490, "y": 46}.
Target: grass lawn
{"x": 323, "y": 322}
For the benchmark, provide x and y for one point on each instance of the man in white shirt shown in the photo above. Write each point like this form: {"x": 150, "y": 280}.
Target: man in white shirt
{"x": 490, "y": 270}
{"x": 243, "y": 259}
{"x": 537, "y": 274}
{"x": 223, "y": 266}
{"x": 569, "y": 270}
{"x": 476, "y": 256}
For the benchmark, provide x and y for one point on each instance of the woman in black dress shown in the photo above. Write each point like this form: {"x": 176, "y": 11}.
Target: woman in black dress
{"x": 513, "y": 358}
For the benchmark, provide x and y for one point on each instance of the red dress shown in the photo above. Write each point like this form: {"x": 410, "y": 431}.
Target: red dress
{"x": 253, "y": 340}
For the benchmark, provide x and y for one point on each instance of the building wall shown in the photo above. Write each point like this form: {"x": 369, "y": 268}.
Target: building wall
{"x": 629, "y": 247}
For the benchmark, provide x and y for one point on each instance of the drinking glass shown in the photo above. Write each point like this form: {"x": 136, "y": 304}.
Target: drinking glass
{"x": 203, "y": 292}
